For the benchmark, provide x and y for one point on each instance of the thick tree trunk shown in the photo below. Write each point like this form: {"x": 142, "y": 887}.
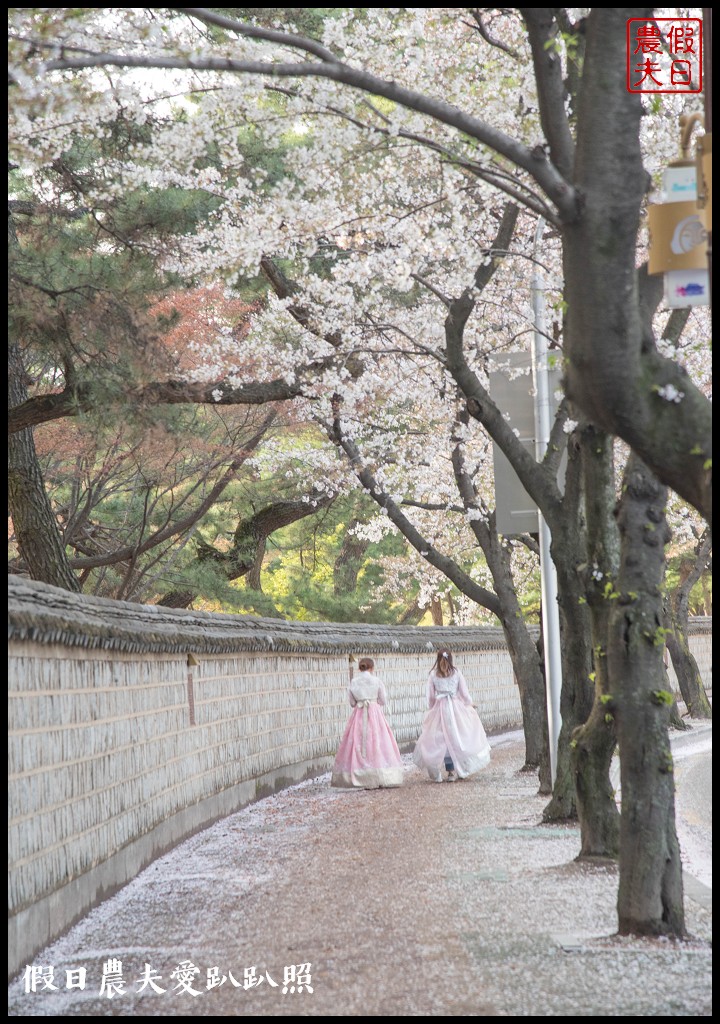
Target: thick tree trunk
{"x": 36, "y": 529}
{"x": 245, "y": 556}
{"x": 650, "y": 893}
{"x": 593, "y": 744}
{"x": 613, "y": 371}
{"x": 412, "y": 615}
{"x": 707, "y": 596}
{"x": 676, "y": 721}
{"x": 545, "y": 770}
{"x": 576, "y": 699}
{"x": 527, "y": 669}
{"x": 38, "y": 537}
{"x": 526, "y": 662}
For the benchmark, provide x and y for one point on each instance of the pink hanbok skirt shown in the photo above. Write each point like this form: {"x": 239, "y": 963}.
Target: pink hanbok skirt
{"x": 453, "y": 727}
{"x": 368, "y": 756}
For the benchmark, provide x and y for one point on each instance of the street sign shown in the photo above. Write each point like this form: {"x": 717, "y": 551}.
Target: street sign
{"x": 511, "y": 388}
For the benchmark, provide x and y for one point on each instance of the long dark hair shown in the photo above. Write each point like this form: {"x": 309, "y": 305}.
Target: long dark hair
{"x": 444, "y": 663}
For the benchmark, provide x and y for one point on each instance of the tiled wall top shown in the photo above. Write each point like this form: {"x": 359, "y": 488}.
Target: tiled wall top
{"x": 44, "y": 614}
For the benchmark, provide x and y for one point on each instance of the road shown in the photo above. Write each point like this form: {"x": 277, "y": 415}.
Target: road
{"x": 692, "y": 757}
{"x": 692, "y": 754}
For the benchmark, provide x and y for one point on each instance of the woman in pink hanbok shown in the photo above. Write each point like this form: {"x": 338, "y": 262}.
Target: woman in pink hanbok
{"x": 368, "y": 756}
{"x": 452, "y": 731}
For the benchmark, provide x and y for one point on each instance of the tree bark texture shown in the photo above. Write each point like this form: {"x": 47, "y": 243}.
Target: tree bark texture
{"x": 686, "y": 669}
{"x": 593, "y": 744}
{"x": 650, "y": 892}
{"x": 614, "y": 372}
{"x": 36, "y": 529}
{"x": 349, "y": 561}
{"x": 527, "y": 666}
{"x": 526, "y": 663}
{"x": 246, "y": 554}
{"x": 568, "y": 550}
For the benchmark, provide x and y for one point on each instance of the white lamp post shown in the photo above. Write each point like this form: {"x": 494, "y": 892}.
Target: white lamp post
{"x": 548, "y": 576}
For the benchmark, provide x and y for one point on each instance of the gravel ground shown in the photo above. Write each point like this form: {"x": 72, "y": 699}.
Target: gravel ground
{"x": 439, "y": 900}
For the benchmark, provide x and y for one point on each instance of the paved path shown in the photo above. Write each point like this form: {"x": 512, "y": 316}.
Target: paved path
{"x": 439, "y": 900}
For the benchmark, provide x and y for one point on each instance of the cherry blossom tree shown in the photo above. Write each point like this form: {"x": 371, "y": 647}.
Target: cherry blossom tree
{"x": 585, "y": 173}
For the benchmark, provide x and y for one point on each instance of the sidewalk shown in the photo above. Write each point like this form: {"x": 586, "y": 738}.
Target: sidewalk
{"x": 438, "y": 900}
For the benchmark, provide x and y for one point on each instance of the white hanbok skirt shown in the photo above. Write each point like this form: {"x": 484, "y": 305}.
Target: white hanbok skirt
{"x": 452, "y": 727}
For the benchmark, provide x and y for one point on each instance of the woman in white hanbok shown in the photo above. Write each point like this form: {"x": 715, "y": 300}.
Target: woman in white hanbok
{"x": 451, "y": 727}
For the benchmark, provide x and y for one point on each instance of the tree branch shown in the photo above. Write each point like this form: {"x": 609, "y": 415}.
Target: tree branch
{"x": 255, "y": 32}
{"x": 447, "y": 566}
{"x": 81, "y": 397}
{"x": 541, "y": 486}
{"x": 542, "y": 32}
{"x": 482, "y": 29}
{"x": 533, "y": 161}
{"x": 173, "y": 529}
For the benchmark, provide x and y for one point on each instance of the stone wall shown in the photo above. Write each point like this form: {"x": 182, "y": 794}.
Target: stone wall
{"x": 130, "y": 727}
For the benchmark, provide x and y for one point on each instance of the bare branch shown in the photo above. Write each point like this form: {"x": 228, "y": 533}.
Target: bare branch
{"x": 432, "y": 506}
{"x": 465, "y": 583}
{"x": 81, "y": 397}
{"x": 482, "y": 29}
{"x": 431, "y": 288}
{"x": 181, "y": 526}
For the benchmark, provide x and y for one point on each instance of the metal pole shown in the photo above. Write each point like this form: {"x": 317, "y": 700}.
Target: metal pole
{"x": 548, "y": 576}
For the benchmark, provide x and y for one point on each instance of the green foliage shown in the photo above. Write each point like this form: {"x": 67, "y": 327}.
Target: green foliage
{"x": 88, "y": 264}
{"x": 701, "y": 592}
{"x": 569, "y": 43}
{"x": 299, "y": 575}
{"x": 662, "y": 697}
{"x": 658, "y": 637}
{"x": 530, "y": 601}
